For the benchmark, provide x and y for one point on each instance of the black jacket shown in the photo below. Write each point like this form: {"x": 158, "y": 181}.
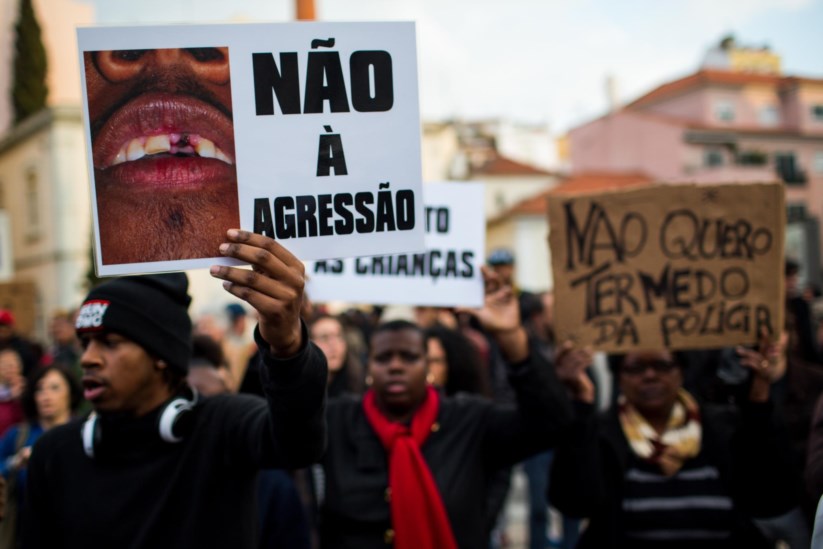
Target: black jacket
{"x": 749, "y": 449}
{"x": 473, "y": 438}
{"x": 141, "y": 492}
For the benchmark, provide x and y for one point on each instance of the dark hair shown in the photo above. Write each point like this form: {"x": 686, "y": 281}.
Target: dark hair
{"x": 462, "y": 362}
{"x": 792, "y": 267}
{"x": 27, "y": 400}
{"x": 615, "y": 361}
{"x": 351, "y": 377}
{"x": 500, "y": 256}
{"x": 205, "y": 351}
{"x": 398, "y": 326}
{"x": 235, "y": 311}
{"x": 324, "y": 316}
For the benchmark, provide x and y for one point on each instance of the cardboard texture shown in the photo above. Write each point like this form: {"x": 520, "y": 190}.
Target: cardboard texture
{"x": 669, "y": 266}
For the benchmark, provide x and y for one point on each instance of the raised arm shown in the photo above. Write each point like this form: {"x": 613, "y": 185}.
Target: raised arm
{"x": 273, "y": 286}
{"x": 577, "y": 483}
{"x": 294, "y": 370}
{"x": 542, "y": 409}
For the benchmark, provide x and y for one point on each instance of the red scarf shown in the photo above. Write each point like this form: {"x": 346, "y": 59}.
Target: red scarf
{"x": 417, "y": 513}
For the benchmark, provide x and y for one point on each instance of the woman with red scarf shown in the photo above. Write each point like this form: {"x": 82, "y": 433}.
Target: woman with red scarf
{"x": 408, "y": 467}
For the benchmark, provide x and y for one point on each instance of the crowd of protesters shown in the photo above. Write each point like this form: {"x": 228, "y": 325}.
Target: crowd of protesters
{"x": 279, "y": 424}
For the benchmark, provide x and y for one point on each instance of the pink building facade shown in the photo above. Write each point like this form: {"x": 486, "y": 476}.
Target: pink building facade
{"x": 722, "y": 126}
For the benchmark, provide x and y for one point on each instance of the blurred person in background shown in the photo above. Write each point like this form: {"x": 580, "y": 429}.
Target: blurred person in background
{"x": 346, "y": 373}
{"x": 12, "y": 384}
{"x": 800, "y": 319}
{"x": 208, "y": 372}
{"x": 454, "y": 363}
{"x": 52, "y": 394}
{"x": 65, "y": 348}
{"x": 10, "y": 339}
{"x": 462, "y": 321}
{"x": 426, "y": 317}
{"x": 238, "y": 344}
{"x": 501, "y": 261}
{"x": 538, "y": 318}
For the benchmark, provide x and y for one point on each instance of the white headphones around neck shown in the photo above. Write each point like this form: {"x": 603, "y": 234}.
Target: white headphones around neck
{"x": 168, "y": 426}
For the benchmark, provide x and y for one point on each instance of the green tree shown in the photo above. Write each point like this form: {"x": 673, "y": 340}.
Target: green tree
{"x": 29, "y": 90}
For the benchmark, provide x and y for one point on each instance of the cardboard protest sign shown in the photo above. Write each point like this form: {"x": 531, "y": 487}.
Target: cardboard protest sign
{"x": 305, "y": 132}
{"x": 675, "y": 266}
{"x": 446, "y": 274}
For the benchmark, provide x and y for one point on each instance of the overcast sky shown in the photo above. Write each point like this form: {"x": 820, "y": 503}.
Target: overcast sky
{"x": 537, "y": 61}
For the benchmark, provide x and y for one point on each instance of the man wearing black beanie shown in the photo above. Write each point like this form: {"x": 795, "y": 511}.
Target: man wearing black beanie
{"x": 154, "y": 465}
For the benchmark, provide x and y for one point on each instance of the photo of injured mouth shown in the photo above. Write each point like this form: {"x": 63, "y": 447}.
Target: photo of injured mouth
{"x": 163, "y": 151}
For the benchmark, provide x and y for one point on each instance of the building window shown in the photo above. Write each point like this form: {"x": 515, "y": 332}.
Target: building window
{"x": 818, "y": 163}
{"x": 724, "y": 110}
{"x": 795, "y": 213}
{"x": 752, "y": 158}
{"x": 788, "y": 169}
{"x": 712, "y": 158}
{"x": 769, "y": 115}
{"x": 32, "y": 206}
{"x": 817, "y": 113}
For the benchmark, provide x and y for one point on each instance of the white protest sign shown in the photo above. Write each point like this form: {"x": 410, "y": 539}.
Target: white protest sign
{"x": 305, "y": 132}
{"x": 447, "y": 274}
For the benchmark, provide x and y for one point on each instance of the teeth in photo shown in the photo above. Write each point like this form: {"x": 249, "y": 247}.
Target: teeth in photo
{"x": 157, "y": 144}
{"x": 221, "y": 156}
{"x": 205, "y": 148}
{"x": 121, "y": 156}
{"x": 135, "y": 150}
{"x": 139, "y": 147}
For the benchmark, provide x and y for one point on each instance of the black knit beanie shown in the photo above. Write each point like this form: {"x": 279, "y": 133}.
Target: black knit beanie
{"x": 151, "y": 310}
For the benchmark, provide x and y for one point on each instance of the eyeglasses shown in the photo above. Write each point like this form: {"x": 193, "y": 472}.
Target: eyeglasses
{"x": 639, "y": 368}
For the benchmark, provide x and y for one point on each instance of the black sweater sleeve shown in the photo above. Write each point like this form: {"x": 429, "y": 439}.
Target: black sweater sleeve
{"x": 541, "y": 412}
{"x": 765, "y": 481}
{"x": 577, "y": 485}
{"x": 814, "y": 454}
{"x": 291, "y": 433}
{"x": 39, "y": 510}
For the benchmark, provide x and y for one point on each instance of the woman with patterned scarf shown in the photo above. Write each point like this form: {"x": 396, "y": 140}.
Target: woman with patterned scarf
{"x": 660, "y": 470}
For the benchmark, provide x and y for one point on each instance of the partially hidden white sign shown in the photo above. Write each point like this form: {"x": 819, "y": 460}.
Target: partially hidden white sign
{"x": 446, "y": 274}
{"x": 305, "y": 132}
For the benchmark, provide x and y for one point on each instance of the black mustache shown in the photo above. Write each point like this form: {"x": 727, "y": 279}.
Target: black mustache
{"x": 181, "y": 83}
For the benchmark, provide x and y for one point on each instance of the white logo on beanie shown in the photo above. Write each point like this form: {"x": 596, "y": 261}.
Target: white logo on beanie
{"x": 91, "y": 314}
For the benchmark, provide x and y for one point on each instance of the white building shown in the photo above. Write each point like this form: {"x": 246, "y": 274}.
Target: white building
{"x": 44, "y": 185}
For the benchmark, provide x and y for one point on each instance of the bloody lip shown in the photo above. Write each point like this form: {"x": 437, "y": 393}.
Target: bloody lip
{"x": 157, "y": 114}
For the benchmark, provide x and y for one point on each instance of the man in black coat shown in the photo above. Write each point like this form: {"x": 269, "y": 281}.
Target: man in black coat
{"x": 154, "y": 465}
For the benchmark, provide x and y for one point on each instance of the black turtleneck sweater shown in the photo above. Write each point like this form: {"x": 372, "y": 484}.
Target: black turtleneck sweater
{"x": 140, "y": 491}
